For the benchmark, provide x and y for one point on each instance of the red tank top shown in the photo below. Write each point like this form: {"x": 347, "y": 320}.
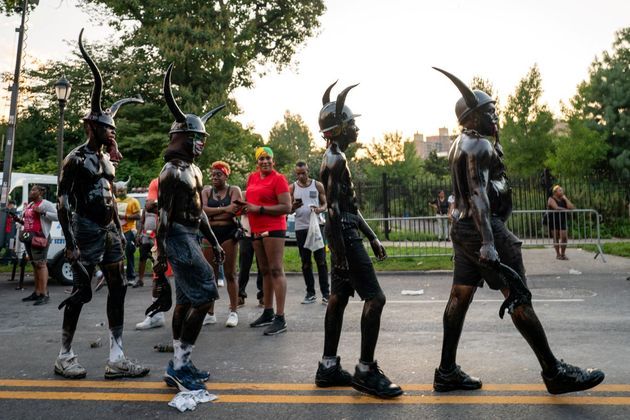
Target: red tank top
{"x": 32, "y": 222}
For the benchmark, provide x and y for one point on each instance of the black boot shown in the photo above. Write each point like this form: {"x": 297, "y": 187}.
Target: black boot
{"x": 265, "y": 319}
{"x": 572, "y": 378}
{"x": 455, "y": 379}
{"x": 374, "y": 382}
{"x": 332, "y": 376}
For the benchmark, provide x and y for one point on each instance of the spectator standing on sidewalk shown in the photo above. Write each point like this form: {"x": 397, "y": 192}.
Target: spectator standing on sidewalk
{"x": 560, "y": 204}
{"x": 129, "y": 212}
{"x": 9, "y": 231}
{"x": 268, "y": 203}
{"x": 308, "y": 196}
{"x": 245, "y": 260}
{"x": 218, "y": 202}
{"x": 441, "y": 207}
{"x": 37, "y": 219}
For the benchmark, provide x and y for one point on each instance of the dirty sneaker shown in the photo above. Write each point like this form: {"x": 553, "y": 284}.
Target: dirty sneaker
{"x": 69, "y": 367}
{"x": 572, "y": 378}
{"x": 184, "y": 379}
{"x": 332, "y": 376}
{"x": 125, "y": 368}
{"x": 149, "y": 322}
{"x": 198, "y": 374}
{"x": 374, "y": 382}
{"x": 455, "y": 379}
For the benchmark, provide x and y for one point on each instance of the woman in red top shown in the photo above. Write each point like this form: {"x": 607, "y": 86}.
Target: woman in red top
{"x": 268, "y": 203}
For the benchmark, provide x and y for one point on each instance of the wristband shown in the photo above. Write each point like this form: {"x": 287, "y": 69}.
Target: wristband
{"x": 261, "y": 210}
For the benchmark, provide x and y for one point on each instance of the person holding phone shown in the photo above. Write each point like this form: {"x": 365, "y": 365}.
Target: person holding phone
{"x": 268, "y": 203}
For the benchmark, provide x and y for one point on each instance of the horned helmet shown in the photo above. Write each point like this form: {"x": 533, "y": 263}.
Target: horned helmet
{"x": 470, "y": 101}
{"x": 96, "y": 112}
{"x": 335, "y": 116}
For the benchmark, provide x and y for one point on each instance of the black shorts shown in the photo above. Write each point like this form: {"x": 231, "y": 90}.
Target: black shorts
{"x": 360, "y": 276}
{"x": 97, "y": 244}
{"x": 269, "y": 234}
{"x": 466, "y": 243}
{"x": 225, "y": 233}
{"x": 145, "y": 251}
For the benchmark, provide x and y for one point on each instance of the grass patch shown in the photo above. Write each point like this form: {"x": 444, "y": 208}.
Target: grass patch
{"x": 621, "y": 249}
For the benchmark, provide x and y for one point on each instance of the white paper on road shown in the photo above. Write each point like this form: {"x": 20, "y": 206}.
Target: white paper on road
{"x": 412, "y": 292}
{"x": 573, "y": 271}
{"x": 188, "y": 400}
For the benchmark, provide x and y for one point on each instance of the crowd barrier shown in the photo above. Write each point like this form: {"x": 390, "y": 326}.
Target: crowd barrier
{"x": 428, "y": 236}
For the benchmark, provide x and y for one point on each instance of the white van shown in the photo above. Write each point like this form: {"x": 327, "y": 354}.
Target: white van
{"x": 21, "y": 184}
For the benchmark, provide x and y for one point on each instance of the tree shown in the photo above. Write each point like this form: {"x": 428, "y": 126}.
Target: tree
{"x": 436, "y": 165}
{"x": 603, "y": 102}
{"x": 527, "y": 127}
{"x": 291, "y": 140}
{"x": 387, "y": 150}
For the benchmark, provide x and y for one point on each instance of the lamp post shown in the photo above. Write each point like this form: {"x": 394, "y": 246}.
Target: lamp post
{"x": 62, "y": 89}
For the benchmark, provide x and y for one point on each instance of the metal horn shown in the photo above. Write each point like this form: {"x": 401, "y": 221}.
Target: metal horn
{"x": 116, "y": 105}
{"x": 326, "y": 98}
{"x": 469, "y": 97}
{"x": 211, "y": 113}
{"x": 98, "y": 79}
{"x": 168, "y": 95}
{"x": 341, "y": 98}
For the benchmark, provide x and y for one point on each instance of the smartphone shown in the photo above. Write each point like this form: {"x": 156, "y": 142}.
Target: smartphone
{"x": 239, "y": 202}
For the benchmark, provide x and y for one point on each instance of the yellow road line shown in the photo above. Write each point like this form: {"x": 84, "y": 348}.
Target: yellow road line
{"x": 323, "y": 399}
{"x": 226, "y": 386}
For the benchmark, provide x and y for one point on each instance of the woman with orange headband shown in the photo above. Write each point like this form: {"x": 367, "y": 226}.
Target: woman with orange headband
{"x": 559, "y": 203}
{"x": 268, "y": 203}
{"x": 219, "y": 204}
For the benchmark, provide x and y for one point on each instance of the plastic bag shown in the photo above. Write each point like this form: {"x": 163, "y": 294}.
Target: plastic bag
{"x": 314, "y": 240}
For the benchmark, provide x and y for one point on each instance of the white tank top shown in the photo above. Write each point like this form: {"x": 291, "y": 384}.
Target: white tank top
{"x": 310, "y": 198}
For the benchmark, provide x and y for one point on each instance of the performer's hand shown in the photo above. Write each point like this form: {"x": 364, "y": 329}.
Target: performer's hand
{"x": 487, "y": 253}
{"x": 160, "y": 266}
{"x": 219, "y": 254}
{"x": 72, "y": 254}
{"x": 379, "y": 249}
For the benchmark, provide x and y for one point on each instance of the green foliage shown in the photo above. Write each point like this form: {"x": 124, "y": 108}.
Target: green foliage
{"x": 291, "y": 140}
{"x": 604, "y": 101}
{"x": 436, "y": 165}
{"x": 577, "y": 152}
{"x": 527, "y": 126}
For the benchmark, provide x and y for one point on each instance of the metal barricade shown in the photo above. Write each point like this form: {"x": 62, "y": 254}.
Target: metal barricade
{"x": 428, "y": 236}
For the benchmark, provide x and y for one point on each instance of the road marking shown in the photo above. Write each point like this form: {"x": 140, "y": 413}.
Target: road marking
{"x": 477, "y": 301}
{"x": 243, "y": 386}
{"x": 325, "y": 399}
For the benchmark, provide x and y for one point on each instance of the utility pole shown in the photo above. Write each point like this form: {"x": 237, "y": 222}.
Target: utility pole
{"x": 10, "y": 138}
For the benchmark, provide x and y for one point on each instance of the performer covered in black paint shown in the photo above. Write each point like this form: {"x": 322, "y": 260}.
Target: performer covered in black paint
{"x": 486, "y": 250}
{"x": 181, "y": 218}
{"x": 88, "y": 216}
{"x": 352, "y": 268}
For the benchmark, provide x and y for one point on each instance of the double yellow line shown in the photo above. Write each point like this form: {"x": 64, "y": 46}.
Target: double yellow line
{"x": 268, "y": 393}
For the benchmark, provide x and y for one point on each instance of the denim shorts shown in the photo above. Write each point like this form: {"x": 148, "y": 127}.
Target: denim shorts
{"x": 97, "y": 244}
{"x": 194, "y": 278}
{"x": 466, "y": 243}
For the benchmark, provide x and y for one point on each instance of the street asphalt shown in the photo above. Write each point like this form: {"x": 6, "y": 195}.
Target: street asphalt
{"x": 582, "y": 303}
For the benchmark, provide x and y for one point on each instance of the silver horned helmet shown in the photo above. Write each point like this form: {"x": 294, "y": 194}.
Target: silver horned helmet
{"x": 470, "y": 101}
{"x": 96, "y": 112}
{"x": 185, "y": 123}
{"x": 335, "y": 115}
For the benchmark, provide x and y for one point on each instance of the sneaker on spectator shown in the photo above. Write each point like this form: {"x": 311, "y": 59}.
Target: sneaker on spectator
{"x": 69, "y": 367}
{"x": 210, "y": 319}
{"x": 31, "y": 297}
{"x": 232, "y": 320}
{"x": 137, "y": 283}
{"x": 309, "y": 299}
{"x": 241, "y": 302}
{"x": 41, "y": 300}
{"x": 221, "y": 282}
{"x": 125, "y": 368}
{"x": 149, "y": 322}
{"x": 325, "y": 300}
{"x": 184, "y": 379}
{"x": 278, "y": 326}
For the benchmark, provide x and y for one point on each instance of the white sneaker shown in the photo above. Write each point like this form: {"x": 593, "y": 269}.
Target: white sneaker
{"x": 232, "y": 320}
{"x": 149, "y": 322}
{"x": 210, "y": 319}
{"x": 221, "y": 282}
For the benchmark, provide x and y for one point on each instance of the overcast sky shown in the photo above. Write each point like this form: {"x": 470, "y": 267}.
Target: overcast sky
{"x": 389, "y": 47}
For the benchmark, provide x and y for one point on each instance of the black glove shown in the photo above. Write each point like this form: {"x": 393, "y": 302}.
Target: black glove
{"x": 164, "y": 301}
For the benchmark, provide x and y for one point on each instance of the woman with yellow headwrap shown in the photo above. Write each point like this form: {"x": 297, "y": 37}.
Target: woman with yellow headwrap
{"x": 220, "y": 205}
{"x": 559, "y": 204}
{"x": 268, "y": 203}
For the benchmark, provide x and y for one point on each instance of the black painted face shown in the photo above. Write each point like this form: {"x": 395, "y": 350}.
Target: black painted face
{"x": 488, "y": 120}
{"x": 348, "y": 135}
{"x": 105, "y": 134}
{"x": 197, "y": 142}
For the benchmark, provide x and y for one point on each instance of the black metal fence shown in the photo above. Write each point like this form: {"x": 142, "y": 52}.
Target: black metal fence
{"x": 410, "y": 197}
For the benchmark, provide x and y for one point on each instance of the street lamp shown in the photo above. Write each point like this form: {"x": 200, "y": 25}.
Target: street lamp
{"x": 62, "y": 89}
